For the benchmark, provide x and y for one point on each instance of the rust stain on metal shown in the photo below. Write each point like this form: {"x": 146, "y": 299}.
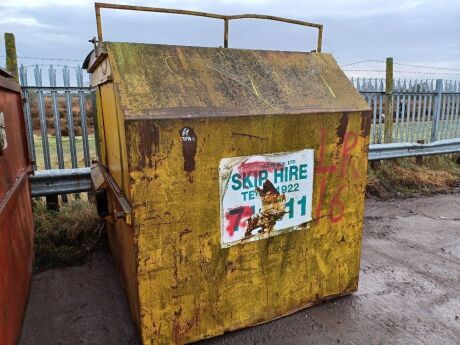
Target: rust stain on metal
{"x": 189, "y": 141}
{"x": 365, "y": 123}
{"x": 16, "y": 222}
{"x": 182, "y": 327}
{"x": 149, "y": 139}
{"x": 230, "y": 267}
{"x": 184, "y": 232}
{"x": 342, "y": 128}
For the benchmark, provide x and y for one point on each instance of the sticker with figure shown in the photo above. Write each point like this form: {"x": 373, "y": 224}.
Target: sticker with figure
{"x": 265, "y": 195}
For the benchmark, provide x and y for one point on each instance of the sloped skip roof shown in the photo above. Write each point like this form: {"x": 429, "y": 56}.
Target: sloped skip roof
{"x": 178, "y": 81}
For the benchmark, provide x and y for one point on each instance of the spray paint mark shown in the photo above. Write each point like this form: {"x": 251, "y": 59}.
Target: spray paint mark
{"x": 253, "y": 168}
{"x": 336, "y": 204}
{"x": 237, "y": 217}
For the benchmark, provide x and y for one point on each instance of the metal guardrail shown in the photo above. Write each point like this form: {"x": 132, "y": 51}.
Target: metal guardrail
{"x": 60, "y": 181}
{"x": 401, "y": 150}
{"x": 66, "y": 181}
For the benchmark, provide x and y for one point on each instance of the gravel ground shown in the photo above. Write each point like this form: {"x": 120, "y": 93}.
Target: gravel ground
{"x": 409, "y": 291}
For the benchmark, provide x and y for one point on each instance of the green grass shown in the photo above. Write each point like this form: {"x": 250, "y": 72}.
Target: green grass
{"x": 66, "y": 150}
{"x": 413, "y": 131}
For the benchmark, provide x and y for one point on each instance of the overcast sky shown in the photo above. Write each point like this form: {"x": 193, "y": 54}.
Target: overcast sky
{"x": 420, "y": 32}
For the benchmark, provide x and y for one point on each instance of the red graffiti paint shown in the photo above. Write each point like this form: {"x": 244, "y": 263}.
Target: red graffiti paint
{"x": 350, "y": 140}
{"x": 336, "y": 207}
{"x": 236, "y": 219}
{"x": 324, "y": 170}
{"x": 253, "y": 168}
{"x": 321, "y": 168}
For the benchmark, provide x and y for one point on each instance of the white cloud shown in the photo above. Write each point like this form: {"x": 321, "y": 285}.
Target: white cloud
{"x": 297, "y": 8}
{"x": 25, "y": 21}
{"x": 408, "y": 30}
{"x": 43, "y": 3}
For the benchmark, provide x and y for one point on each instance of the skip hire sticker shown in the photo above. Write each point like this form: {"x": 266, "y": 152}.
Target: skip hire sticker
{"x": 265, "y": 195}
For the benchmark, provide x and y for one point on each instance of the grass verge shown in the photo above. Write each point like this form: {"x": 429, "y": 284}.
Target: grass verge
{"x": 66, "y": 151}
{"x": 67, "y": 237}
{"x": 405, "y": 178}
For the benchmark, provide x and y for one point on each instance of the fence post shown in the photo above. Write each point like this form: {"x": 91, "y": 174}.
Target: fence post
{"x": 388, "y": 134}
{"x": 11, "y": 57}
{"x": 437, "y": 110}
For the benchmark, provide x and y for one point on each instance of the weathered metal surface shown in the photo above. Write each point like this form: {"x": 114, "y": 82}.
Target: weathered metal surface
{"x": 28, "y": 115}
{"x": 121, "y": 235}
{"x": 190, "y": 287}
{"x": 168, "y": 116}
{"x": 115, "y": 152}
{"x": 3, "y": 139}
{"x": 60, "y": 181}
{"x": 16, "y": 225}
{"x": 171, "y": 81}
{"x": 121, "y": 207}
{"x": 226, "y": 18}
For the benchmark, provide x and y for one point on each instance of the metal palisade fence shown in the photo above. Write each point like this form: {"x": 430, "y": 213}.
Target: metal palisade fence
{"x": 59, "y": 113}
{"x": 50, "y": 111}
{"x": 423, "y": 110}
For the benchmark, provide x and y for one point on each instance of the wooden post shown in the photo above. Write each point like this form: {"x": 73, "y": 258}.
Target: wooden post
{"x": 11, "y": 57}
{"x": 388, "y": 134}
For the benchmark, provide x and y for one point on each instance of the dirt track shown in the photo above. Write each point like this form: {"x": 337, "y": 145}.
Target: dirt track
{"x": 409, "y": 291}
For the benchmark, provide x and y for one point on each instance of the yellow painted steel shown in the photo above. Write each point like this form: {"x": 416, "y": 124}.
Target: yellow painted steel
{"x": 113, "y": 156}
{"x": 181, "y": 285}
{"x": 100, "y": 128}
{"x": 189, "y": 287}
{"x": 162, "y": 81}
{"x": 111, "y": 132}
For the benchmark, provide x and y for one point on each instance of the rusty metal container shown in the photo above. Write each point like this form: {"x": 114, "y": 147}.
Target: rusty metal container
{"x": 16, "y": 224}
{"x": 232, "y": 181}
